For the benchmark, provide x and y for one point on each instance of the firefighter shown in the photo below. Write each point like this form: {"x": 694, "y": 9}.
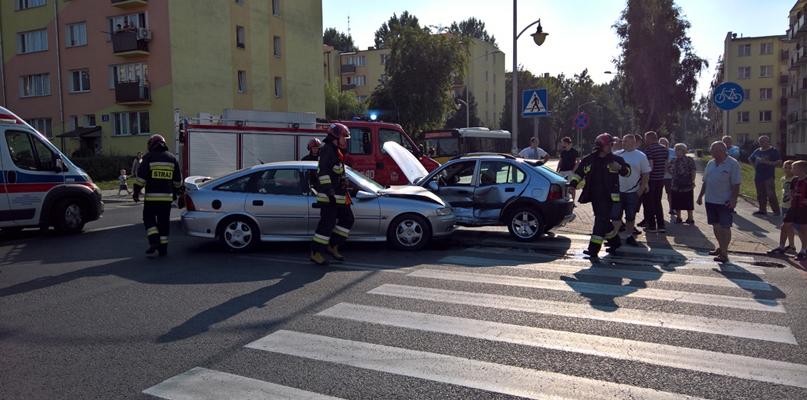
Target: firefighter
{"x": 313, "y": 150}
{"x": 336, "y": 215}
{"x": 159, "y": 173}
{"x": 601, "y": 170}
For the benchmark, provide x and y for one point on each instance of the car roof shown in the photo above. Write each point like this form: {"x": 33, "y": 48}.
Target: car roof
{"x": 484, "y": 155}
{"x": 285, "y": 164}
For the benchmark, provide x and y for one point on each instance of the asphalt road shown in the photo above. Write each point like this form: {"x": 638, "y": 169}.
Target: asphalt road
{"x": 89, "y": 316}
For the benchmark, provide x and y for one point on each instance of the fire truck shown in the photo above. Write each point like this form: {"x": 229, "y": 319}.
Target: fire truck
{"x": 215, "y": 145}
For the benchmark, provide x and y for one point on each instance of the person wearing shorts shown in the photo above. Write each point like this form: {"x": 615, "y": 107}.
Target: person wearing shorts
{"x": 720, "y": 189}
{"x": 797, "y": 213}
{"x": 630, "y": 187}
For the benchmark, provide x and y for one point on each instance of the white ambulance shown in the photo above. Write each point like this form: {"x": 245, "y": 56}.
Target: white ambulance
{"x": 39, "y": 186}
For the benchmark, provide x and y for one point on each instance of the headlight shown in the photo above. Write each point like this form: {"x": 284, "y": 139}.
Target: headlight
{"x": 445, "y": 211}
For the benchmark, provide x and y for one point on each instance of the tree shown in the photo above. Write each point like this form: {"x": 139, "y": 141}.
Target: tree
{"x": 457, "y": 120}
{"x": 658, "y": 62}
{"x": 338, "y": 40}
{"x": 420, "y": 70}
{"x": 387, "y": 29}
{"x": 342, "y": 105}
{"x": 474, "y": 28}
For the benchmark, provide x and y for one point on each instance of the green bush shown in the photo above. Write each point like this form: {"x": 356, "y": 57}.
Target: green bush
{"x": 104, "y": 168}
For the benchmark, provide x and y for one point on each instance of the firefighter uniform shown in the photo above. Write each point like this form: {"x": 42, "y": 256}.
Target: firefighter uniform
{"x": 336, "y": 214}
{"x": 602, "y": 191}
{"x": 159, "y": 173}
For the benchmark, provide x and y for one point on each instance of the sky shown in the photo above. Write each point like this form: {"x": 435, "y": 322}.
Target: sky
{"x": 580, "y": 33}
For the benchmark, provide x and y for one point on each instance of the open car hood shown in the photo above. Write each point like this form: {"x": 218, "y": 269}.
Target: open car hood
{"x": 413, "y": 192}
{"x": 410, "y": 165}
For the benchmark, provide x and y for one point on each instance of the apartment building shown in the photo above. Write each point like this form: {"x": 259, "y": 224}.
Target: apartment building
{"x": 759, "y": 66}
{"x": 364, "y": 70}
{"x": 797, "y": 83}
{"x": 104, "y": 75}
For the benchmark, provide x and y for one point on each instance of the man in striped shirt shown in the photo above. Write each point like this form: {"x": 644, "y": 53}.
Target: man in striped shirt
{"x": 657, "y": 156}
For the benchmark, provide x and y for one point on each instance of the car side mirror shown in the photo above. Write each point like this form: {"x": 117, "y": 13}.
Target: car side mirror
{"x": 433, "y": 186}
{"x": 362, "y": 195}
{"x": 60, "y": 167}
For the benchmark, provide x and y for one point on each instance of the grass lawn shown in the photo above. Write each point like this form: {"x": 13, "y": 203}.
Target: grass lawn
{"x": 747, "y": 189}
{"x": 107, "y": 185}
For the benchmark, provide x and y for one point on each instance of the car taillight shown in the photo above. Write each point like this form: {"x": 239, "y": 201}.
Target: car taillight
{"x": 555, "y": 192}
{"x": 189, "y": 203}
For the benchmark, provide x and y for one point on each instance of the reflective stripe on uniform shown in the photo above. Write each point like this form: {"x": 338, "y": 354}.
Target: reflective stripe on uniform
{"x": 321, "y": 238}
{"x": 576, "y": 178}
{"x": 323, "y": 179}
{"x": 152, "y": 231}
{"x": 596, "y": 239}
{"x": 161, "y": 164}
{"x": 611, "y": 235}
{"x": 141, "y": 180}
{"x": 341, "y": 231}
{"x": 615, "y": 196}
{"x": 163, "y": 239}
{"x": 338, "y": 168}
{"x": 169, "y": 167}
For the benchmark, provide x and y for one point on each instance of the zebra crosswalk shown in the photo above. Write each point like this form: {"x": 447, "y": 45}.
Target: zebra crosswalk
{"x": 434, "y": 299}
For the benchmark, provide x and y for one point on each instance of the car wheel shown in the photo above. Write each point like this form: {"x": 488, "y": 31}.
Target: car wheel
{"x": 409, "y": 232}
{"x": 239, "y": 234}
{"x": 526, "y": 225}
{"x": 68, "y": 217}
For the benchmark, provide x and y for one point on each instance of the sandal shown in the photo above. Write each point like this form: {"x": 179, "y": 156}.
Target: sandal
{"x": 720, "y": 259}
{"x": 715, "y": 252}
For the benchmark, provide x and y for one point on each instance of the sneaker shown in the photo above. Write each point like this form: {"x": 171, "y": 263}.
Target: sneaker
{"x": 690, "y": 221}
{"x": 591, "y": 255}
{"x": 631, "y": 241}
{"x": 651, "y": 229}
{"x": 642, "y": 224}
{"x": 801, "y": 256}
{"x": 661, "y": 229}
{"x": 777, "y": 251}
{"x": 790, "y": 248}
{"x": 636, "y": 232}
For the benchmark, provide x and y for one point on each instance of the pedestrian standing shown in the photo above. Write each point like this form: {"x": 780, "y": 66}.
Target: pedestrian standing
{"x": 601, "y": 170}
{"x": 161, "y": 177}
{"x": 336, "y": 215}
{"x": 667, "y": 177}
{"x": 534, "y": 152}
{"x": 733, "y": 150}
{"x": 136, "y": 163}
{"x": 683, "y": 172}
{"x": 658, "y": 156}
{"x": 313, "y": 150}
{"x": 630, "y": 188}
{"x": 569, "y": 159}
{"x": 122, "y": 185}
{"x": 720, "y": 189}
{"x": 765, "y": 159}
{"x": 786, "y": 235}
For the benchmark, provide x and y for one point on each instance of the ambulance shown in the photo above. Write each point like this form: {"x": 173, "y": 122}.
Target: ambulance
{"x": 39, "y": 186}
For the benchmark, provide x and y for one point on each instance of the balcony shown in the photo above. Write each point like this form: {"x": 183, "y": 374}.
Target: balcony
{"x": 793, "y": 117}
{"x": 129, "y": 3}
{"x": 132, "y": 93}
{"x": 348, "y": 87}
{"x": 348, "y": 69}
{"x": 126, "y": 44}
{"x": 783, "y": 79}
{"x": 797, "y": 29}
{"x": 783, "y": 101}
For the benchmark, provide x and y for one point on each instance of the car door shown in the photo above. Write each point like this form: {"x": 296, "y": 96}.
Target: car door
{"x": 6, "y": 217}
{"x": 29, "y": 175}
{"x": 456, "y": 186}
{"x": 279, "y": 202}
{"x": 499, "y": 181}
{"x": 367, "y": 212}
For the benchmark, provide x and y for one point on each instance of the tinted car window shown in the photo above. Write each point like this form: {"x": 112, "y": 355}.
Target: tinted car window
{"x": 235, "y": 185}
{"x": 387, "y": 135}
{"x": 360, "y": 142}
{"x": 22, "y": 153}
{"x": 500, "y": 172}
{"x": 458, "y": 174}
{"x": 279, "y": 181}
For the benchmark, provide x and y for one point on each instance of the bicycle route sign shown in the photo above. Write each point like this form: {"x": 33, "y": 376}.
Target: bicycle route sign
{"x": 580, "y": 121}
{"x": 728, "y": 96}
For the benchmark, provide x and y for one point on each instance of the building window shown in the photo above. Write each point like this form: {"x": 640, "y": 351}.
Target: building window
{"x": 242, "y": 81}
{"x": 116, "y": 23}
{"x": 89, "y": 120}
{"x": 766, "y": 94}
{"x": 742, "y": 138}
{"x": 276, "y": 7}
{"x": 486, "y": 76}
{"x": 744, "y": 50}
{"x": 361, "y": 98}
{"x": 131, "y": 123}
{"x": 35, "y": 85}
{"x": 742, "y": 116}
{"x": 278, "y": 87}
{"x": 494, "y": 100}
{"x": 384, "y": 58}
{"x": 43, "y": 125}
{"x": 241, "y": 2}
{"x": 30, "y": 42}
{"x": 765, "y": 116}
{"x": 355, "y": 60}
{"x": 744, "y": 72}
{"x": 276, "y": 42}
{"x": 494, "y": 79}
{"x": 134, "y": 72}
{"x": 746, "y": 94}
{"x": 77, "y": 35}
{"x": 74, "y": 122}
{"x": 356, "y": 80}
{"x": 240, "y": 37}
{"x": 766, "y": 71}
{"x": 79, "y": 81}
{"x": 26, "y": 4}
{"x": 766, "y": 48}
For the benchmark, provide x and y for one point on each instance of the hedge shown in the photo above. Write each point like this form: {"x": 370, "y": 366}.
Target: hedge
{"x": 104, "y": 168}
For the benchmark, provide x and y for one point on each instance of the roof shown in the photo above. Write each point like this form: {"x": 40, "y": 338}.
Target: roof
{"x": 90, "y": 132}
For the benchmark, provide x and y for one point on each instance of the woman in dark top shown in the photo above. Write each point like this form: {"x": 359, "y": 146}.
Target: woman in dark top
{"x": 682, "y": 169}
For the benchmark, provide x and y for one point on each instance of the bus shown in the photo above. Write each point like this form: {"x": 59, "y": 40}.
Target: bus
{"x": 447, "y": 143}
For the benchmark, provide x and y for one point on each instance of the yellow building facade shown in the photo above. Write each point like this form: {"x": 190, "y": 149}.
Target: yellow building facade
{"x": 797, "y": 83}
{"x": 86, "y": 83}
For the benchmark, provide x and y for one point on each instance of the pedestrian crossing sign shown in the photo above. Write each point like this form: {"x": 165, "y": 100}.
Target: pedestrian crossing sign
{"x": 534, "y": 101}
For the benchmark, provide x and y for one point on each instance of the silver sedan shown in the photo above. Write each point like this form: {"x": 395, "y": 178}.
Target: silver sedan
{"x": 275, "y": 202}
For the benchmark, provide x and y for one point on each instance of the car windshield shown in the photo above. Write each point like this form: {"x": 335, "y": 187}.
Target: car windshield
{"x": 363, "y": 180}
{"x": 225, "y": 176}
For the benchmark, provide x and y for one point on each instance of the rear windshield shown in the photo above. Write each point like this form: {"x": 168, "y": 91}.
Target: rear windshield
{"x": 225, "y": 176}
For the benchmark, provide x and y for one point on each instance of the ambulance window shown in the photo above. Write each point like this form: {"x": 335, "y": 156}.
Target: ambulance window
{"x": 387, "y": 135}
{"x": 360, "y": 142}
{"x": 22, "y": 153}
{"x": 45, "y": 155}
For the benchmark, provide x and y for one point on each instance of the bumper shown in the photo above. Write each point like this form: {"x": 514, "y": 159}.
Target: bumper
{"x": 558, "y": 213}
{"x": 200, "y": 224}
{"x": 443, "y": 227}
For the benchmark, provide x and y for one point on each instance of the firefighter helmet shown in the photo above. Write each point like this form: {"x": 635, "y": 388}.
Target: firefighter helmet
{"x": 154, "y": 139}
{"x": 338, "y": 130}
{"x": 602, "y": 140}
{"x": 314, "y": 143}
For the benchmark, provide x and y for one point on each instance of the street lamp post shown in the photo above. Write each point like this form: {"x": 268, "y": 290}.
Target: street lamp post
{"x": 467, "y": 107}
{"x": 580, "y": 131}
{"x": 538, "y": 37}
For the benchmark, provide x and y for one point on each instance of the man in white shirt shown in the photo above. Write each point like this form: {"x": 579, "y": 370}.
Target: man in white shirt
{"x": 631, "y": 187}
{"x": 534, "y": 152}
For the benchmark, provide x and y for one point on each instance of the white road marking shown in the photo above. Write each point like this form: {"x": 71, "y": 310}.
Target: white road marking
{"x": 515, "y": 381}
{"x": 740, "y": 329}
{"x": 343, "y": 265}
{"x": 203, "y": 384}
{"x": 738, "y": 366}
{"x": 657, "y": 275}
